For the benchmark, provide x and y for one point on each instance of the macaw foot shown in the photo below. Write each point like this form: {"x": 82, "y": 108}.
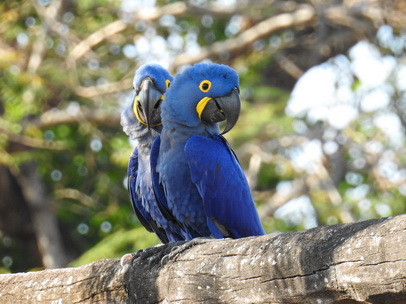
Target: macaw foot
{"x": 126, "y": 259}
{"x": 141, "y": 254}
{"x": 177, "y": 250}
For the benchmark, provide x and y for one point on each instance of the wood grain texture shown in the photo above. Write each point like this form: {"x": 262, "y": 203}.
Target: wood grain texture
{"x": 362, "y": 262}
{"x": 98, "y": 282}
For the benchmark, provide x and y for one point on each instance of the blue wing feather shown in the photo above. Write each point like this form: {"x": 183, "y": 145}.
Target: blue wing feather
{"x": 178, "y": 231}
{"x": 132, "y": 173}
{"x": 223, "y": 187}
{"x": 158, "y": 189}
{"x": 142, "y": 214}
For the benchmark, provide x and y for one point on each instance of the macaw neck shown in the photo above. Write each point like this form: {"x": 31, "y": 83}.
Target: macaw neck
{"x": 145, "y": 139}
{"x": 141, "y": 133}
{"x": 178, "y": 129}
{"x": 176, "y": 132}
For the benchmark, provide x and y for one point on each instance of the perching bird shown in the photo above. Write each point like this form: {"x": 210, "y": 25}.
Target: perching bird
{"x": 196, "y": 176}
{"x": 141, "y": 120}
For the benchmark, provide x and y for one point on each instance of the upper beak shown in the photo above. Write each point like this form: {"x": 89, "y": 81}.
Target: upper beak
{"x": 148, "y": 103}
{"x": 213, "y": 110}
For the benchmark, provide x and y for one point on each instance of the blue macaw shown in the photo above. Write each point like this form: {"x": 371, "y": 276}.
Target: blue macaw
{"x": 196, "y": 175}
{"x": 141, "y": 120}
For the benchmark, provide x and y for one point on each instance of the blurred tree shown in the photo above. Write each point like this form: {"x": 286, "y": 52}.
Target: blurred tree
{"x": 65, "y": 74}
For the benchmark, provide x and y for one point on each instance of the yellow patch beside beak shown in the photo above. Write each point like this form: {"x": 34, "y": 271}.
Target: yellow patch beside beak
{"x": 201, "y": 105}
{"x": 136, "y": 112}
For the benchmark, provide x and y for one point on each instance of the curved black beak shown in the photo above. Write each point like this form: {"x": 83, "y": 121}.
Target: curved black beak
{"x": 148, "y": 104}
{"x": 223, "y": 108}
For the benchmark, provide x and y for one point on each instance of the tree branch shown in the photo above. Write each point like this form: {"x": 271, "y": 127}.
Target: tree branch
{"x": 94, "y": 116}
{"x": 103, "y": 89}
{"x": 301, "y": 16}
{"x": 148, "y": 14}
{"x": 361, "y": 262}
{"x": 278, "y": 199}
{"x": 95, "y": 38}
{"x": 49, "y": 16}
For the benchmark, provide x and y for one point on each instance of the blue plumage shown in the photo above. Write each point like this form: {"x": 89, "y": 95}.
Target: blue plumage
{"x": 196, "y": 176}
{"x": 141, "y": 121}
{"x": 223, "y": 187}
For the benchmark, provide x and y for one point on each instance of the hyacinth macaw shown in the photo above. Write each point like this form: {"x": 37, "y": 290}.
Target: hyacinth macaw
{"x": 141, "y": 120}
{"x": 196, "y": 175}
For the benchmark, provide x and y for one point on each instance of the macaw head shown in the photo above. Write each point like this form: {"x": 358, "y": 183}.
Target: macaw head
{"x": 150, "y": 84}
{"x": 204, "y": 93}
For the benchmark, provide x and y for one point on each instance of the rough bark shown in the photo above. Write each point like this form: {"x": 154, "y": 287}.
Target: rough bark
{"x": 362, "y": 262}
{"x": 98, "y": 282}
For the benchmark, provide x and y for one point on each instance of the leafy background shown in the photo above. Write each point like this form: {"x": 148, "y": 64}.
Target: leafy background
{"x": 320, "y": 137}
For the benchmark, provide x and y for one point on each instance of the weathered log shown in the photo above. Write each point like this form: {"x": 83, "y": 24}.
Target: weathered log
{"x": 98, "y": 282}
{"x": 362, "y": 262}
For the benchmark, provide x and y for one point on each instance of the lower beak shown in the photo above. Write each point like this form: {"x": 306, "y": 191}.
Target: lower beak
{"x": 213, "y": 110}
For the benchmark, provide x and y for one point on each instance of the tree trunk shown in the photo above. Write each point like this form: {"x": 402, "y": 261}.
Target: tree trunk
{"x": 362, "y": 262}
{"x": 16, "y": 224}
{"x": 45, "y": 223}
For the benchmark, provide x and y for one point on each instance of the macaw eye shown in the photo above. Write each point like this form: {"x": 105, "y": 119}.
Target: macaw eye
{"x": 167, "y": 83}
{"x": 205, "y": 86}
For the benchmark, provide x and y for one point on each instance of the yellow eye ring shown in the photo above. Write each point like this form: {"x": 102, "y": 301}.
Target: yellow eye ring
{"x": 205, "y": 86}
{"x": 167, "y": 83}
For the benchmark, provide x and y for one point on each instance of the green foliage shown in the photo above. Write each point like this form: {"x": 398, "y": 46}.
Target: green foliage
{"x": 117, "y": 244}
